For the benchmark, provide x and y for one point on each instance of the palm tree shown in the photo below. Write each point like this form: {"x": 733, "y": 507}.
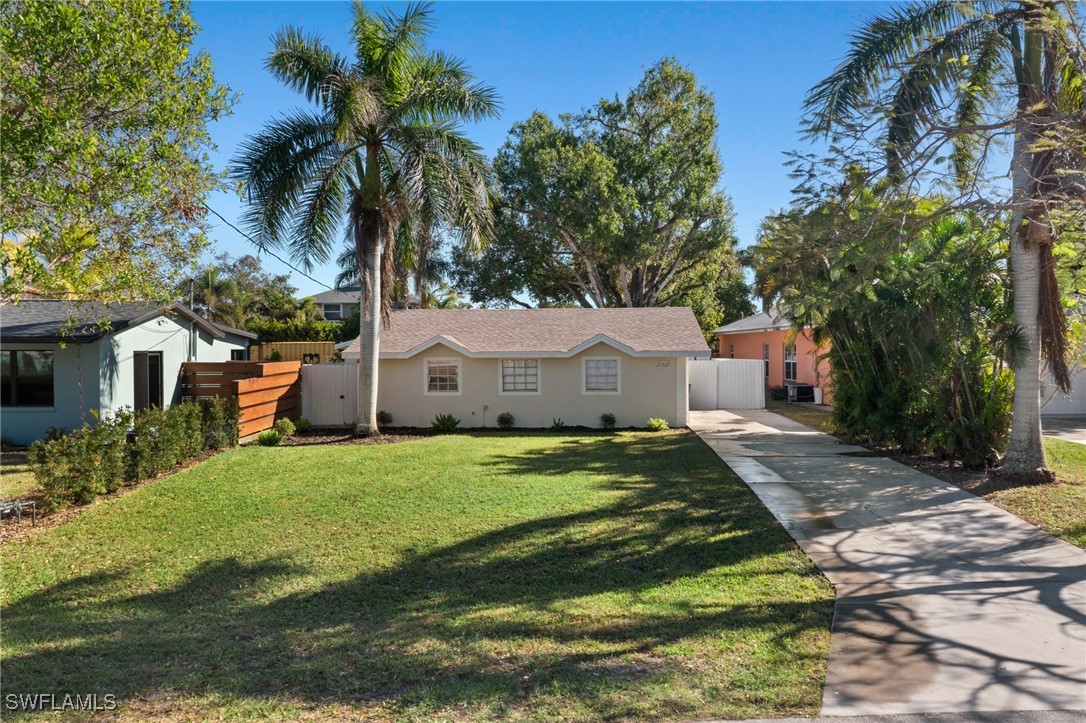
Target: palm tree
{"x": 941, "y": 66}
{"x": 385, "y": 145}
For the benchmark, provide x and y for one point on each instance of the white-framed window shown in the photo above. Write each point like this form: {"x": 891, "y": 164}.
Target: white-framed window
{"x": 765, "y": 358}
{"x": 731, "y": 351}
{"x": 442, "y": 376}
{"x": 790, "y": 362}
{"x": 519, "y": 376}
{"x": 333, "y": 312}
{"x": 602, "y": 375}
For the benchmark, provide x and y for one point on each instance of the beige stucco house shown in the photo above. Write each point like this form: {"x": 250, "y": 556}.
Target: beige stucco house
{"x": 537, "y": 364}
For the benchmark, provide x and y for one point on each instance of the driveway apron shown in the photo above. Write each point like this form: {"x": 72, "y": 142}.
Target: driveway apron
{"x": 945, "y": 603}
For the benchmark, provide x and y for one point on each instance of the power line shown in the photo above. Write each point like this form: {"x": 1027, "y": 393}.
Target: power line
{"x": 263, "y": 247}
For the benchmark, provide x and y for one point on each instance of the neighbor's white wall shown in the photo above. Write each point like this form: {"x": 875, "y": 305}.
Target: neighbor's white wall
{"x": 647, "y": 390}
{"x": 75, "y": 394}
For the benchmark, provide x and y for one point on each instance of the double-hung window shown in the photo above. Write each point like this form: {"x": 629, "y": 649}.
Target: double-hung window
{"x": 601, "y": 376}
{"x": 26, "y": 378}
{"x": 333, "y": 312}
{"x": 443, "y": 376}
{"x": 520, "y": 376}
{"x": 765, "y": 358}
{"x": 790, "y": 362}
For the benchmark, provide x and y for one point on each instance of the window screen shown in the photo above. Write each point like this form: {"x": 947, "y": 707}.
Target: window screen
{"x": 520, "y": 375}
{"x": 601, "y": 375}
{"x": 443, "y": 376}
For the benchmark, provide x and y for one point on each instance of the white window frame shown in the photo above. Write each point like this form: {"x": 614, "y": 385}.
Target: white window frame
{"x": 457, "y": 361}
{"x": 584, "y": 374}
{"x": 538, "y": 379}
{"x": 793, "y": 359}
{"x": 765, "y": 359}
{"x": 324, "y": 312}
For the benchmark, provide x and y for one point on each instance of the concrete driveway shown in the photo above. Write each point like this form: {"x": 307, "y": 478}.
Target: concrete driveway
{"x": 1069, "y": 427}
{"x": 945, "y": 603}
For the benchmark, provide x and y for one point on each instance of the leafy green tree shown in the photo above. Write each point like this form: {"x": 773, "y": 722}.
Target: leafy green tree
{"x": 104, "y": 123}
{"x": 236, "y": 291}
{"x": 951, "y": 80}
{"x": 919, "y": 339}
{"x": 383, "y": 148}
{"x": 616, "y": 206}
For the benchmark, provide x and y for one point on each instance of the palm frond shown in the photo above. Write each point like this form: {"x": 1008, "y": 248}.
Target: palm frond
{"x": 877, "y": 51}
{"x": 304, "y": 63}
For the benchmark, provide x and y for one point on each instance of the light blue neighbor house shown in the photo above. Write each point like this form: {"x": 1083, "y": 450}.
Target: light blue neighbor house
{"x": 62, "y": 361}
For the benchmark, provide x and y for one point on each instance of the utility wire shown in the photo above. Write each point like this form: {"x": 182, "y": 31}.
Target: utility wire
{"x": 263, "y": 247}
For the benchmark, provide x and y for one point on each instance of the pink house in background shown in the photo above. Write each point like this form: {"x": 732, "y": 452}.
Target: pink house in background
{"x": 765, "y": 336}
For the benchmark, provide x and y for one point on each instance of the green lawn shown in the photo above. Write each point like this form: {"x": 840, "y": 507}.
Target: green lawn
{"x": 481, "y": 576}
{"x": 16, "y": 479}
{"x": 815, "y": 418}
{"x": 1059, "y": 509}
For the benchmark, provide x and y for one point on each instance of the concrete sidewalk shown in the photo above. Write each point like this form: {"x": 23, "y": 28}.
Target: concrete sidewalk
{"x": 945, "y": 603}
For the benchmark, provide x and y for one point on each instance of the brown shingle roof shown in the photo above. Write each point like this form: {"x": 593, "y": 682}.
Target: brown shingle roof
{"x": 669, "y": 330}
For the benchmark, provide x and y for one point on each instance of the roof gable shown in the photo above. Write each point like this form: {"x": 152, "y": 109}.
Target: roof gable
{"x": 771, "y": 320}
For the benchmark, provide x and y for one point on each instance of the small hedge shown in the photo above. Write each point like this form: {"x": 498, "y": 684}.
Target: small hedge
{"x": 129, "y": 447}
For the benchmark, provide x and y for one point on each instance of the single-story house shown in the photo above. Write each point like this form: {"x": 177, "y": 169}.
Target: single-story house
{"x": 788, "y": 358}
{"x": 537, "y": 364}
{"x": 62, "y": 360}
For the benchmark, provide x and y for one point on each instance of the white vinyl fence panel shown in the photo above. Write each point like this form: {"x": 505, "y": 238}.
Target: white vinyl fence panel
{"x": 330, "y": 394}
{"x": 727, "y": 384}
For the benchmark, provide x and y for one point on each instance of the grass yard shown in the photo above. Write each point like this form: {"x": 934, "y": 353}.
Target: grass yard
{"x": 1059, "y": 509}
{"x": 475, "y": 576}
{"x": 16, "y": 479}
{"x": 814, "y": 418}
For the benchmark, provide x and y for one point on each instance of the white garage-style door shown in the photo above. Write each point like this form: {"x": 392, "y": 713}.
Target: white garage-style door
{"x": 330, "y": 394}
{"x": 727, "y": 384}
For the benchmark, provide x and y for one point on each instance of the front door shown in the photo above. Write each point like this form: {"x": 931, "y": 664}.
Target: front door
{"x": 148, "y": 379}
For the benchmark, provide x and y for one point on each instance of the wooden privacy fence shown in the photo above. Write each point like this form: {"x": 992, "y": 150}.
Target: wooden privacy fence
{"x": 307, "y": 352}
{"x": 266, "y": 391}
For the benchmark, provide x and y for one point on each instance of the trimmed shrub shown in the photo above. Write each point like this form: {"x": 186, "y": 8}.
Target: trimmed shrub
{"x": 75, "y": 468}
{"x": 655, "y": 424}
{"x": 607, "y": 421}
{"x": 302, "y": 425}
{"x": 269, "y": 438}
{"x": 506, "y": 420}
{"x": 557, "y": 425}
{"x": 221, "y": 422}
{"x": 445, "y": 423}
{"x": 384, "y": 418}
{"x": 285, "y": 427}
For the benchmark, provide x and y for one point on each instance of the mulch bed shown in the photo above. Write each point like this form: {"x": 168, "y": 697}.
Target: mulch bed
{"x": 346, "y": 436}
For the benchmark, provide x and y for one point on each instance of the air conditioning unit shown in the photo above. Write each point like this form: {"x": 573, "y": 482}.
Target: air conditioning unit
{"x": 800, "y": 393}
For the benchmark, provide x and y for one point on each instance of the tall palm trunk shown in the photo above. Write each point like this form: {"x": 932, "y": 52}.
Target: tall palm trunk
{"x": 369, "y": 340}
{"x": 1025, "y": 454}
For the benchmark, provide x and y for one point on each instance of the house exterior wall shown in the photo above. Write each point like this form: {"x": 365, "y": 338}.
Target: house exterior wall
{"x": 75, "y": 393}
{"x": 750, "y": 345}
{"x": 648, "y": 387}
{"x": 170, "y": 336}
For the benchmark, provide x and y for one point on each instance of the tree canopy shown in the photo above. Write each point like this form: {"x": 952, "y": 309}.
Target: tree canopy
{"x": 616, "y": 206}
{"x": 104, "y": 162}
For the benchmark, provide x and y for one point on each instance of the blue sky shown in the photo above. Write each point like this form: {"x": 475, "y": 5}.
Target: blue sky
{"x": 757, "y": 58}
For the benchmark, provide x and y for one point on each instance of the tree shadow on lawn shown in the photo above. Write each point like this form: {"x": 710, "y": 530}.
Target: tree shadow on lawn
{"x": 587, "y": 606}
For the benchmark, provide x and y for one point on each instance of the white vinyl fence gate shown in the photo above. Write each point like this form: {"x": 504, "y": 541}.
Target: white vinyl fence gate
{"x": 330, "y": 394}
{"x": 727, "y": 384}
